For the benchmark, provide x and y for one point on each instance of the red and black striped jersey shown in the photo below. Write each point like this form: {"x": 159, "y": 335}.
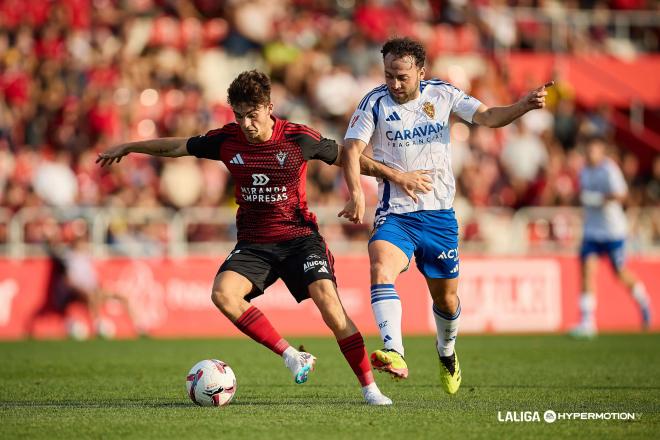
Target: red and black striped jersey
{"x": 270, "y": 177}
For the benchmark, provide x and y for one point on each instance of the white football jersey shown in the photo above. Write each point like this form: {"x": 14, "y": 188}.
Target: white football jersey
{"x": 412, "y": 136}
{"x": 607, "y": 222}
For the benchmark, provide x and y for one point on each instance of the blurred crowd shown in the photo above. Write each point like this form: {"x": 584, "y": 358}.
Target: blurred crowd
{"x": 77, "y": 76}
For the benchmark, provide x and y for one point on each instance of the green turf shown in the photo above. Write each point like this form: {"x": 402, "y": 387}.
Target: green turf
{"x": 135, "y": 389}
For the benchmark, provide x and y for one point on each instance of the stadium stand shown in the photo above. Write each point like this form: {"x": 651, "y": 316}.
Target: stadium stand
{"x": 79, "y": 75}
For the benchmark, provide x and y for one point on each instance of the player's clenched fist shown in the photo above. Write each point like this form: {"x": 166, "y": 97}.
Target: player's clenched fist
{"x": 354, "y": 209}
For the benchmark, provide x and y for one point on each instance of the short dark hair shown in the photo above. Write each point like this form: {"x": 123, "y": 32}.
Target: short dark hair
{"x": 251, "y": 87}
{"x": 401, "y": 47}
{"x": 594, "y": 139}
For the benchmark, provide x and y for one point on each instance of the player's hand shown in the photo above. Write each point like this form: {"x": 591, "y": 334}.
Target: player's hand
{"x": 536, "y": 98}
{"x": 416, "y": 181}
{"x": 354, "y": 209}
{"x": 111, "y": 155}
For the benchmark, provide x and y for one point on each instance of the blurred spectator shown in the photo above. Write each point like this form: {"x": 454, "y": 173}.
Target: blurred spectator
{"x": 524, "y": 154}
{"x": 55, "y": 182}
{"x": 77, "y": 75}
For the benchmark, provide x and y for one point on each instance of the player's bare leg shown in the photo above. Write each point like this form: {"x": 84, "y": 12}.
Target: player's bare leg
{"x": 103, "y": 326}
{"x": 446, "y": 311}
{"x": 107, "y": 295}
{"x": 638, "y": 292}
{"x": 325, "y": 296}
{"x": 229, "y": 291}
{"x": 587, "y": 326}
{"x": 93, "y": 299}
{"x": 387, "y": 261}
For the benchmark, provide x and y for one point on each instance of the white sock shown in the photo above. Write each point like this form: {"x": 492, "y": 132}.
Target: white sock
{"x": 386, "y": 305}
{"x": 289, "y": 353}
{"x": 447, "y": 326}
{"x": 587, "y": 308}
{"x": 640, "y": 295}
{"x": 372, "y": 387}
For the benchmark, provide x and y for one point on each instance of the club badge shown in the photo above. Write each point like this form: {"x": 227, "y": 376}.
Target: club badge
{"x": 281, "y": 157}
{"x": 429, "y": 109}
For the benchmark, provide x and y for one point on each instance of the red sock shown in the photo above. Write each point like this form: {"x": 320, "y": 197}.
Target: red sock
{"x": 254, "y": 324}
{"x": 356, "y": 355}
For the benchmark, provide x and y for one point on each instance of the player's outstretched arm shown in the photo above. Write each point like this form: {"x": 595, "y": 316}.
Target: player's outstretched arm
{"x": 500, "y": 116}
{"x": 166, "y": 147}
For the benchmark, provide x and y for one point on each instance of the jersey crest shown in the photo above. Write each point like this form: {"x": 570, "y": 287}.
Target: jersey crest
{"x": 429, "y": 109}
{"x": 281, "y": 157}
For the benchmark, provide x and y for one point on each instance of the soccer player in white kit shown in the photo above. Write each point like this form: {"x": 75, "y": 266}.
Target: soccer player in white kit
{"x": 602, "y": 189}
{"x": 406, "y": 121}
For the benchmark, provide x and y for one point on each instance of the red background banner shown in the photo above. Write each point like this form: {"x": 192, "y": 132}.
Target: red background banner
{"x": 172, "y": 297}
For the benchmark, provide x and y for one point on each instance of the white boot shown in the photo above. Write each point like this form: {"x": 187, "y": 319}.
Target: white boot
{"x": 373, "y": 396}
{"x": 299, "y": 363}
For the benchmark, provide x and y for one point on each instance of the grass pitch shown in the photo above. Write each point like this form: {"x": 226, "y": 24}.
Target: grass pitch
{"x": 136, "y": 389}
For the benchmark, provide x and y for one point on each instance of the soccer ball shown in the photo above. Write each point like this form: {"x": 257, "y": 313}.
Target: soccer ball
{"x": 211, "y": 383}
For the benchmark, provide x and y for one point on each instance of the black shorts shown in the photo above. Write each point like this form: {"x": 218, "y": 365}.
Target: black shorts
{"x": 299, "y": 262}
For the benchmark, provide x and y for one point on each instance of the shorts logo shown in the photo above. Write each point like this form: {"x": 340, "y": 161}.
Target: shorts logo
{"x": 313, "y": 257}
{"x": 259, "y": 179}
{"x": 320, "y": 264}
{"x": 454, "y": 270}
{"x": 233, "y": 253}
{"x": 451, "y": 254}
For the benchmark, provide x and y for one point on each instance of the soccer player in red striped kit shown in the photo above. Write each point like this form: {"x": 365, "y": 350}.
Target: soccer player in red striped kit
{"x": 278, "y": 236}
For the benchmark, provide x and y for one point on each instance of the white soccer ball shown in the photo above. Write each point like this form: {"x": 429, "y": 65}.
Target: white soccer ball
{"x": 211, "y": 383}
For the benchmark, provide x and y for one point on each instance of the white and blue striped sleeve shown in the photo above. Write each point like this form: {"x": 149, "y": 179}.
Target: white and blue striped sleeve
{"x": 616, "y": 182}
{"x": 464, "y": 105}
{"x": 362, "y": 123}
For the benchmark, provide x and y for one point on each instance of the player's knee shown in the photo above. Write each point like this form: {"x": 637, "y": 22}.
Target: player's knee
{"x": 223, "y": 299}
{"x": 217, "y": 297}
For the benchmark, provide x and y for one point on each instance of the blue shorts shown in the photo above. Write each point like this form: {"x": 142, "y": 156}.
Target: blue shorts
{"x": 431, "y": 235}
{"x": 614, "y": 249}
